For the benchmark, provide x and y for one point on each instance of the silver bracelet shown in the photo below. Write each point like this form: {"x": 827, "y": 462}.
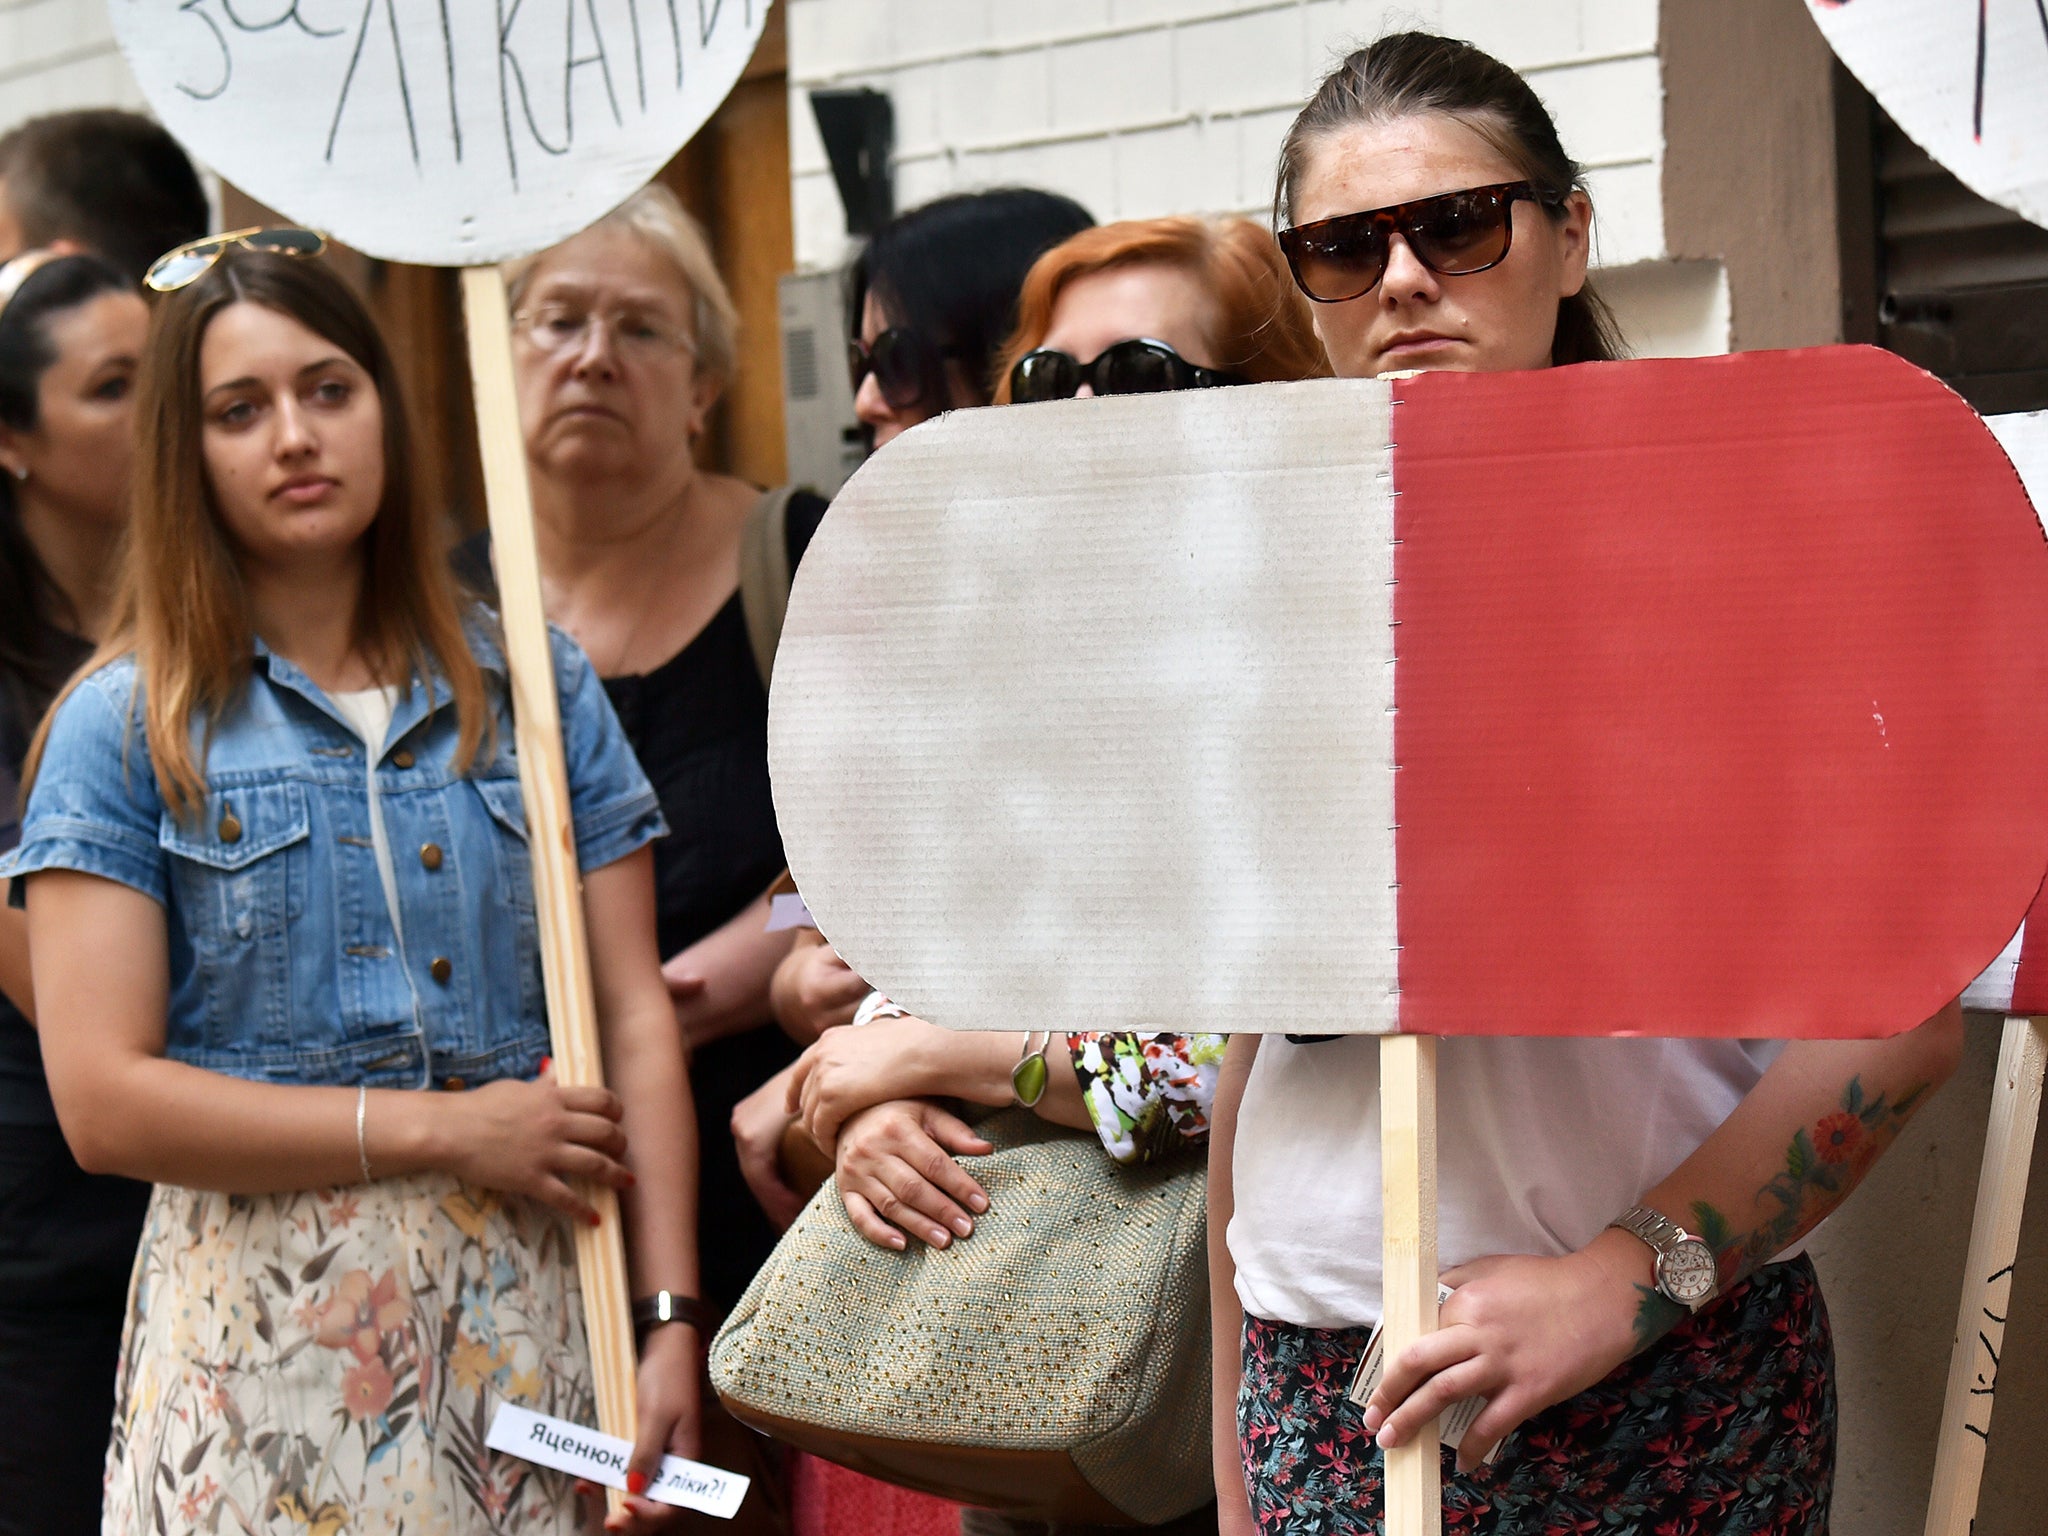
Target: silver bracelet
{"x": 875, "y": 1006}
{"x": 362, "y": 1146}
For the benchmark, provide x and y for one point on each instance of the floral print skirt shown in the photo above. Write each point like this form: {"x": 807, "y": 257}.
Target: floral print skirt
{"x": 326, "y": 1363}
{"x": 1724, "y": 1427}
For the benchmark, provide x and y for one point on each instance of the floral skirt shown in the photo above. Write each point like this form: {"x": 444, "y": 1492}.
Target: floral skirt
{"x": 326, "y": 1363}
{"x": 1724, "y": 1427}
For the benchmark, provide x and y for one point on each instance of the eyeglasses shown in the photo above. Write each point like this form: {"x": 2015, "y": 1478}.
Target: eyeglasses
{"x": 183, "y": 266}
{"x": 1137, "y": 367}
{"x": 907, "y": 368}
{"x": 639, "y": 335}
{"x": 1454, "y": 235}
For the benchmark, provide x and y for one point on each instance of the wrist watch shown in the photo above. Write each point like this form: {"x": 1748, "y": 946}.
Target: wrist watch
{"x": 1686, "y": 1269}
{"x": 652, "y": 1312}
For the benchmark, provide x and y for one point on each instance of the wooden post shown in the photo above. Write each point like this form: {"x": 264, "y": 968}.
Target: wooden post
{"x": 1987, "y": 1278}
{"x": 1408, "y": 1285}
{"x": 551, "y": 834}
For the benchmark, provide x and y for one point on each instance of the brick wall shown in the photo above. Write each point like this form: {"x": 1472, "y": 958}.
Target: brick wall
{"x": 1142, "y": 107}
{"x": 56, "y": 54}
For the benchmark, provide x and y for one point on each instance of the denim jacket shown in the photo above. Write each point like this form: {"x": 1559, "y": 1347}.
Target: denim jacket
{"x": 285, "y": 963}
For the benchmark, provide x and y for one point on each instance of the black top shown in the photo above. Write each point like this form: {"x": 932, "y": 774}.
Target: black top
{"x": 24, "y": 1095}
{"x": 699, "y": 725}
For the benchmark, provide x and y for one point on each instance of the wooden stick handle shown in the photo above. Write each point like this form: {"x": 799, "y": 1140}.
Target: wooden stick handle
{"x": 1408, "y": 1285}
{"x": 551, "y": 833}
{"x": 1987, "y": 1278}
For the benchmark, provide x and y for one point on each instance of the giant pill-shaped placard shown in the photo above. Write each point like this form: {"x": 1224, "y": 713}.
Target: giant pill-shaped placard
{"x": 447, "y": 132}
{"x": 1675, "y": 698}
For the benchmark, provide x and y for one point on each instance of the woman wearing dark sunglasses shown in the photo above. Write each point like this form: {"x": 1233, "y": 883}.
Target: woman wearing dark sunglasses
{"x": 934, "y": 293}
{"x": 1616, "y": 1217}
{"x": 1158, "y": 304}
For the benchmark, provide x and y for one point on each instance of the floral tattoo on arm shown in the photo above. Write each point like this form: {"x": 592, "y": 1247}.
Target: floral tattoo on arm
{"x": 1822, "y": 1164}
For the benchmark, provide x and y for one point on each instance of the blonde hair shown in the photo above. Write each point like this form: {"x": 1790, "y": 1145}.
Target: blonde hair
{"x": 655, "y": 216}
{"x": 182, "y": 609}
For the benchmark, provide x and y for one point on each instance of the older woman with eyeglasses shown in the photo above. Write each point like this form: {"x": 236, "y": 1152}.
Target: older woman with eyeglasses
{"x": 623, "y": 339}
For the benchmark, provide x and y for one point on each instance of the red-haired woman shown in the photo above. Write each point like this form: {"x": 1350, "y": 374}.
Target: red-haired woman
{"x": 285, "y": 960}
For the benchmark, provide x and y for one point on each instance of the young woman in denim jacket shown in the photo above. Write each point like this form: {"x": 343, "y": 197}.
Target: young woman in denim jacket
{"x": 285, "y": 959}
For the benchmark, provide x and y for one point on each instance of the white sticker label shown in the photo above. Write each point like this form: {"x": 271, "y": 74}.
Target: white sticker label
{"x": 601, "y": 1458}
{"x": 788, "y": 911}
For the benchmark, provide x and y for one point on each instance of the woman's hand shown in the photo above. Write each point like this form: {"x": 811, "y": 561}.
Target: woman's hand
{"x": 896, "y": 1174}
{"x": 848, "y": 1070}
{"x": 668, "y": 1402}
{"x": 758, "y": 1123}
{"x": 814, "y": 990}
{"x": 536, "y": 1139}
{"x": 1520, "y": 1331}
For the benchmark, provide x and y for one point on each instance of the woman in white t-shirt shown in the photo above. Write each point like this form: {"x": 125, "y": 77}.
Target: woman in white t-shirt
{"x": 1620, "y": 1405}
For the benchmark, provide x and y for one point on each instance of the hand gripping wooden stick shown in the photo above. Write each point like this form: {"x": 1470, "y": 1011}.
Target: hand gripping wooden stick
{"x": 551, "y": 834}
{"x": 1987, "y": 1277}
{"x": 1414, "y": 1489}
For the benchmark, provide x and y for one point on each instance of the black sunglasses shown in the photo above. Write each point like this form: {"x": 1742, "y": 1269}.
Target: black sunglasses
{"x": 907, "y": 368}
{"x": 1453, "y": 234}
{"x": 1137, "y": 367}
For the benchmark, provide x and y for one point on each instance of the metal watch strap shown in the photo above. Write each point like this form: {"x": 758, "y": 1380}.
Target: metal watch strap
{"x": 663, "y": 1307}
{"x": 1653, "y": 1227}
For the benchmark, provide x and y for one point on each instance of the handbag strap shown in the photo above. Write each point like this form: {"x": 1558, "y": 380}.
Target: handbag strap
{"x": 765, "y": 575}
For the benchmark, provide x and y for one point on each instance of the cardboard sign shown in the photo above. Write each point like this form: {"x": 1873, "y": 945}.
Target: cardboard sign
{"x": 1620, "y": 699}
{"x": 1967, "y": 83}
{"x": 600, "y": 1458}
{"x": 453, "y": 134}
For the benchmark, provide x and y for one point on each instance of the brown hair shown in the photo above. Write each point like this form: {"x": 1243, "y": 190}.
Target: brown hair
{"x": 182, "y": 609}
{"x": 1261, "y": 326}
{"x": 1408, "y": 74}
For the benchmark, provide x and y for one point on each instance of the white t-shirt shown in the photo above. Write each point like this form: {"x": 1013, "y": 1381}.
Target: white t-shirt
{"x": 1540, "y": 1143}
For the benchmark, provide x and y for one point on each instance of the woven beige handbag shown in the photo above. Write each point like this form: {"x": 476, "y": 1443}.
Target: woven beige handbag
{"x": 1054, "y": 1366}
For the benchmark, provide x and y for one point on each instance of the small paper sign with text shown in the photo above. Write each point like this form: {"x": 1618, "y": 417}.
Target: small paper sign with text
{"x": 600, "y": 1458}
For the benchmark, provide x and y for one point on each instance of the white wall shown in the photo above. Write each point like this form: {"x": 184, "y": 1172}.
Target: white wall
{"x": 57, "y": 54}
{"x": 1144, "y": 107}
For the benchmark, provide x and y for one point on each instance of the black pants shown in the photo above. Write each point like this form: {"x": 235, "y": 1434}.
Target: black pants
{"x": 67, "y": 1244}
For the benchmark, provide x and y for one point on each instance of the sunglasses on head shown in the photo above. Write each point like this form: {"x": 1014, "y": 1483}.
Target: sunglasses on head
{"x": 183, "y": 266}
{"x": 907, "y": 368}
{"x": 1137, "y": 367}
{"x": 1453, "y": 234}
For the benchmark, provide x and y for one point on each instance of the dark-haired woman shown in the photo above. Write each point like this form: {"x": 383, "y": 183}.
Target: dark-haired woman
{"x": 932, "y": 298}
{"x": 1624, "y": 1395}
{"x": 282, "y": 924}
{"x": 71, "y": 332}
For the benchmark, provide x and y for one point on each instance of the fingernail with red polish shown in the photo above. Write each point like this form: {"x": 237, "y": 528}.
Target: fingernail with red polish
{"x": 545, "y": 1063}
{"x": 631, "y": 1181}
{"x": 636, "y": 1483}
{"x": 596, "y": 1220}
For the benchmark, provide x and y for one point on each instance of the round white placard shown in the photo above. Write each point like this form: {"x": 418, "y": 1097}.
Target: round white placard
{"x": 1967, "y": 82}
{"x": 448, "y": 132}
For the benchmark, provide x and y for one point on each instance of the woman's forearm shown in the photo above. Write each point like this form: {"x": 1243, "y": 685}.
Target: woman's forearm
{"x": 14, "y": 971}
{"x": 978, "y": 1066}
{"x": 647, "y": 1072}
{"x": 145, "y": 1117}
{"x": 720, "y": 983}
{"x": 1792, "y": 1151}
{"x": 1226, "y": 1315}
{"x": 644, "y": 1066}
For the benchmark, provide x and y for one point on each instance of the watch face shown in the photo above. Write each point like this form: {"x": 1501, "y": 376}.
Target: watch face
{"x": 1687, "y": 1274}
